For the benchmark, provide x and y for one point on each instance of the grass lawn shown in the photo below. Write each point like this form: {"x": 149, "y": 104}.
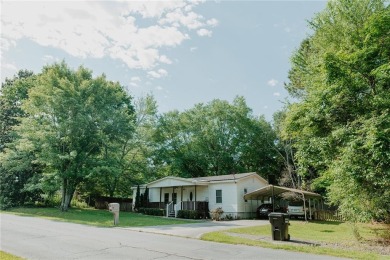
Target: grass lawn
{"x": 94, "y": 217}
{"x": 329, "y": 238}
{"x": 7, "y": 256}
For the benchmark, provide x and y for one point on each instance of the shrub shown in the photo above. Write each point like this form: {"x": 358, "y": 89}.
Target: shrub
{"x": 152, "y": 211}
{"x": 189, "y": 214}
{"x": 229, "y": 217}
{"x": 216, "y": 214}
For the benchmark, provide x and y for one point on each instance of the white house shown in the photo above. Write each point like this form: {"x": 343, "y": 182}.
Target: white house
{"x": 205, "y": 193}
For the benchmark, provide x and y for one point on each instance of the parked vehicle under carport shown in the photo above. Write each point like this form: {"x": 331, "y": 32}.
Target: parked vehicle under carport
{"x": 265, "y": 209}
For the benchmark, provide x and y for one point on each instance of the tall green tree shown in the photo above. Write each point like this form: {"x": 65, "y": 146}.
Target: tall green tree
{"x": 214, "y": 139}
{"x": 340, "y": 126}
{"x": 127, "y": 162}
{"x": 13, "y": 92}
{"x": 72, "y": 119}
{"x": 286, "y": 153}
{"x": 17, "y": 168}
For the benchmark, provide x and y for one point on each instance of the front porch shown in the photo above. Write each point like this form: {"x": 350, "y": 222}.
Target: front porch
{"x": 173, "y": 205}
{"x": 176, "y": 194}
{"x": 202, "y": 207}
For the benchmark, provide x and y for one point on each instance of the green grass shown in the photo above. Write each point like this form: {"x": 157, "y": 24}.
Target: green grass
{"x": 337, "y": 235}
{"x": 94, "y": 217}
{"x": 321, "y": 231}
{"x": 7, "y": 256}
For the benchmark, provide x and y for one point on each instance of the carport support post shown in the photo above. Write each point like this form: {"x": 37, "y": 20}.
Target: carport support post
{"x": 251, "y": 209}
{"x": 273, "y": 199}
{"x": 309, "y": 209}
{"x": 304, "y": 206}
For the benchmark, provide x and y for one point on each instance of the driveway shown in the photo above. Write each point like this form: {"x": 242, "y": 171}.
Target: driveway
{"x": 36, "y": 238}
{"x": 196, "y": 230}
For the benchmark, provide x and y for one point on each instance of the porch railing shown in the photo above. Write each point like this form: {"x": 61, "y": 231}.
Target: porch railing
{"x": 188, "y": 205}
{"x": 170, "y": 208}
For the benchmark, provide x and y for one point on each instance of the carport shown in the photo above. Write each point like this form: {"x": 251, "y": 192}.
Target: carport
{"x": 272, "y": 191}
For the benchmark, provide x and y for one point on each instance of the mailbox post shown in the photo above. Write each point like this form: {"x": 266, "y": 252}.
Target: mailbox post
{"x": 114, "y": 208}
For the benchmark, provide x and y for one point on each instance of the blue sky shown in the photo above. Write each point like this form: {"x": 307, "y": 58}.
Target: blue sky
{"x": 182, "y": 52}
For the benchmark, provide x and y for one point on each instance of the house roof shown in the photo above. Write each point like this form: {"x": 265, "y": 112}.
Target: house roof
{"x": 276, "y": 190}
{"x": 228, "y": 177}
{"x": 178, "y": 181}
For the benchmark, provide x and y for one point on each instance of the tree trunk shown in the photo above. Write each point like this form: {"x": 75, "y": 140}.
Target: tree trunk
{"x": 63, "y": 194}
{"x": 71, "y": 192}
{"x": 67, "y": 194}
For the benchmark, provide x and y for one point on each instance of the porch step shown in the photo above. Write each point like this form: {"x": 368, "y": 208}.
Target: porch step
{"x": 171, "y": 214}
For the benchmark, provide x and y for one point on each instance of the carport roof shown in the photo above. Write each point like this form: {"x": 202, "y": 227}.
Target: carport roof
{"x": 276, "y": 190}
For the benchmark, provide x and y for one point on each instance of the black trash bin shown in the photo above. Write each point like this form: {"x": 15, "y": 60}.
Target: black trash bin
{"x": 279, "y": 226}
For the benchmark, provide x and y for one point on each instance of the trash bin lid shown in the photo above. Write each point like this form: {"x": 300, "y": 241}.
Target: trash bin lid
{"x": 277, "y": 214}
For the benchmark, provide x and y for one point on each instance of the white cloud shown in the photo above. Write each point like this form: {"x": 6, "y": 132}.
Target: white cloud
{"x": 50, "y": 59}
{"x": 97, "y": 29}
{"x": 159, "y": 88}
{"x": 204, "y": 32}
{"x": 135, "y": 79}
{"x": 158, "y": 74}
{"x": 276, "y": 94}
{"x": 272, "y": 82}
{"x": 213, "y": 22}
{"x": 9, "y": 66}
{"x": 133, "y": 84}
{"x": 265, "y": 107}
{"x": 164, "y": 59}
{"x": 192, "y": 49}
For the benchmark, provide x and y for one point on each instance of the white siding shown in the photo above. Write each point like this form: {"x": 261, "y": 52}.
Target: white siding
{"x": 251, "y": 183}
{"x": 229, "y": 198}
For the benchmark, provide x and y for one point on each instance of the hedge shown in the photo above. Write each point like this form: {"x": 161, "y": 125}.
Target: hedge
{"x": 189, "y": 214}
{"x": 152, "y": 211}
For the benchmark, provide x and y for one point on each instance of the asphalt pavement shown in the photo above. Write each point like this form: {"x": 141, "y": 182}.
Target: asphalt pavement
{"x": 196, "y": 230}
{"x": 37, "y": 238}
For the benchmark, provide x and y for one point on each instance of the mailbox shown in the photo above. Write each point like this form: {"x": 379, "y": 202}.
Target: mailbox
{"x": 114, "y": 208}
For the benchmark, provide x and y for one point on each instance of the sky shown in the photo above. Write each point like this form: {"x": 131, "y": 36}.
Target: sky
{"x": 182, "y": 52}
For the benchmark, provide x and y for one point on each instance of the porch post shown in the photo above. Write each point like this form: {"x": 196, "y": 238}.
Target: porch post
{"x": 159, "y": 204}
{"x": 195, "y": 199}
{"x": 181, "y": 198}
{"x": 309, "y": 209}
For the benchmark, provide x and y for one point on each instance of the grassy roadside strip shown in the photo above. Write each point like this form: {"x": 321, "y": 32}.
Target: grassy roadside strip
{"x": 93, "y": 217}
{"x": 327, "y": 238}
{"x": 7, "y": 256}
{"x": 222, "y": 237}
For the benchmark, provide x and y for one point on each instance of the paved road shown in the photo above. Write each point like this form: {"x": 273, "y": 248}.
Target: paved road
{"x": 35, "y": 238}
{"x": 196, "y": 230}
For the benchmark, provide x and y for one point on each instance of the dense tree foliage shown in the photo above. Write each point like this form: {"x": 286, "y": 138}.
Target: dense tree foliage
{"x": 286, "y": 153}
{"x": 215, "y": 138}
{"x": 13, "y": 93}
{"x": 341, "y": 125}
{"x": 17, "y": 185}
{"x": 72, "y": 123}
{"x": 127, "y": 162}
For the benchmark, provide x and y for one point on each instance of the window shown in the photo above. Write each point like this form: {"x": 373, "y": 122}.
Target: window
{"x": 166, "y": 198}
{"x": 218, "y": 196}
